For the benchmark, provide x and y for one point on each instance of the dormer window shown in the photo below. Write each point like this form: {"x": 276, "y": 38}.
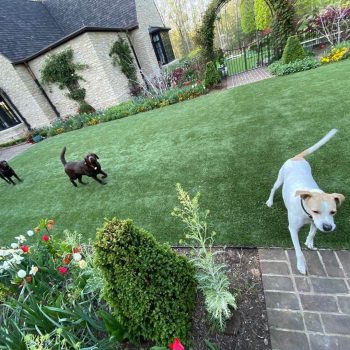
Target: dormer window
{"x": 162, "y": 44}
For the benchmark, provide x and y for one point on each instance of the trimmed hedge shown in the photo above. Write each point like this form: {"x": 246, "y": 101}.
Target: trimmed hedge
{"x": 278, "y": 68}
{"x": 150, "y": 288}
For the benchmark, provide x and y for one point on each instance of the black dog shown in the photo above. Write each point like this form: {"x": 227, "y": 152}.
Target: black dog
{"x": 6, "y": 172}
{"x": 89, "y": 167}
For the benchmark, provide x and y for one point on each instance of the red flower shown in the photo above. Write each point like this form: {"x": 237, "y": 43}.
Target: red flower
{"x": 62, "y": 270}
{"x": 45, "y": 238}
{"x": 25, "y": 248}
{"x": 176, "y": 345}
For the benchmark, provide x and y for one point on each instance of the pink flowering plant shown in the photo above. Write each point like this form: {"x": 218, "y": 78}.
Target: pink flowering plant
{"x": 50, "y": 283}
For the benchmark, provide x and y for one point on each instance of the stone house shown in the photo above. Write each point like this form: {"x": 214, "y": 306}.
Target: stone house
{"x": 30, "y": 30}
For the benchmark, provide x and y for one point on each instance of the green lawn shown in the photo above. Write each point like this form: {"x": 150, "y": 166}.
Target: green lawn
{"x": 228, "y": 145}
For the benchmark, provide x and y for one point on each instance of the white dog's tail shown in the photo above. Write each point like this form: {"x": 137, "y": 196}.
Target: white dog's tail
{"x": 317, "y": 145}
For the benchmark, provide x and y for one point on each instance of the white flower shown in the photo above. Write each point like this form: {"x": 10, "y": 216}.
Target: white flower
{"x": 30, "y": 233}
{"x": 17, "y": 259}
{"x": 6, "y": 265}
{"x": 21, "y": 274}
{"x": 82, "y": 264}
{"x": 33, "y": 270}
{"x": 21, "y": 238}
{"x": 14, "y": 245}
{"x": 77, "y": 256}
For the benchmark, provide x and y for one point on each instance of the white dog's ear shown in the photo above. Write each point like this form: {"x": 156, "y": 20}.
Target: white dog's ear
{"x": 303, "y": 194}
{"x": 339, "y": 198}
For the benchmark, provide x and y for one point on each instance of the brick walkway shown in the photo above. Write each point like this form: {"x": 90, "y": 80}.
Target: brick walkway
{"x": 307, "y": 312}
{"x": 248, "y": 77}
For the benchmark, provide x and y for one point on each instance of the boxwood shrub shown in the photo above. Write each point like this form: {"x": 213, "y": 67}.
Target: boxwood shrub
{"x": 150, "y": 288}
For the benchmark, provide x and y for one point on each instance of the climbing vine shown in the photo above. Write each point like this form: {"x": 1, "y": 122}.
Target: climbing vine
{"x": 60, "y": 69}
{"x": 122, "y": 55}
{"x": 283, "y": 25}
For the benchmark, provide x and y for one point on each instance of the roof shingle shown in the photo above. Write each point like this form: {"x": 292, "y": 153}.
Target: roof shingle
{"x": 27, "y": 27}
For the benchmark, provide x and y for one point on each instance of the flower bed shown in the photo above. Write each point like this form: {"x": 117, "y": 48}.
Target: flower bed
{"x": 125, "y": 109}
{"x": 335, "y": 55}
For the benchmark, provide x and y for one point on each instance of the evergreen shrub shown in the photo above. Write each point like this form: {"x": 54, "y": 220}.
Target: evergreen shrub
{"x": 150, "y": 289}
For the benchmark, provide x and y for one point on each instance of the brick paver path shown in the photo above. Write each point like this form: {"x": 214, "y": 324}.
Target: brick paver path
{"x": 307, "y": 312}
{"x": 248, "y": 77}
{"x": 11, "y": 152}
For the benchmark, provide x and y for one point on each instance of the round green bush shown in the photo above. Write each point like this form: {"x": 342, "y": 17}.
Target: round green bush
{"x": 293, "y": 50}
{"x": 150, "y": 288}
{"x": 211, "y": 76}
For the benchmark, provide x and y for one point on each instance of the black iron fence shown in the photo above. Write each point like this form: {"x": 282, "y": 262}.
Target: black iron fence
{"x": 246, "y": 58}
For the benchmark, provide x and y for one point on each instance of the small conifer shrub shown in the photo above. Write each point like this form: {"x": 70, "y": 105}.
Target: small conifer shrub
{"x": 293, "y": 50}
{"x": 150, "y": 288}
{"x": 211, "y": 75}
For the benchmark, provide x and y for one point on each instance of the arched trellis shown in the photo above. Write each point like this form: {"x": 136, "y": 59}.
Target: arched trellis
{"x": 282, "y": 27}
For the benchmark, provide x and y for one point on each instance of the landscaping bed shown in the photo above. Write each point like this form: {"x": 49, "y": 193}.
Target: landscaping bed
{"x": 248, "y": 327}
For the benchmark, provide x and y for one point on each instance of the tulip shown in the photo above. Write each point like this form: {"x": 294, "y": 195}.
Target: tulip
{"x": 21, "y": 274}
{"x": 45, "y": 238}
{"x": 62, "y": 270}
{"x": 25, "y": 248}
{"x": 176, "y": 345}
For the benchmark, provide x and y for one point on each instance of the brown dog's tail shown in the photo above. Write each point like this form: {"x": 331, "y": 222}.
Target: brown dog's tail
{"x": 63, "y": 160}
{"x": 317, "y": 145}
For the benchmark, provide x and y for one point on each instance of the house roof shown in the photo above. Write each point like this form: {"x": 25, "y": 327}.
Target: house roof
{"x": 28, "y": 27}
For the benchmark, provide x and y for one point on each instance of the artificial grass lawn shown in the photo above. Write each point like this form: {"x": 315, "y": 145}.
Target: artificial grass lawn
{"x": 228, "y": 145}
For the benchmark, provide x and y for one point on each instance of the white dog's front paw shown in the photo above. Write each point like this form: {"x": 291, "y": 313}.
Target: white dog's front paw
{"x": 301, "y": 265}
{"x": 269, "y": 203}
{"x": 310, "y": 245}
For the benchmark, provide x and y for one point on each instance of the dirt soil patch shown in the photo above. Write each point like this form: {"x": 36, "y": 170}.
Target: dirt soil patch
{"x": 248, "y": 327}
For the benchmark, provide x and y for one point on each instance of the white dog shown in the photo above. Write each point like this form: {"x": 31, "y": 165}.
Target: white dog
{"x": 305, "y": 201}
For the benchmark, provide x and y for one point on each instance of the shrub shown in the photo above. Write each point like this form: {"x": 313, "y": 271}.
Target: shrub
{"x": 84, "y": 107}
{"x": 150, "y": 288}
{"x": 277, "y": 68}
{"x": 211, "y": 276}
{"x": 293, "y": 50}
{"x": 211, "y": 76}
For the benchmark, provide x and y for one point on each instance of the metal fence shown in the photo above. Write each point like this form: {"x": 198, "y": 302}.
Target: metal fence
{"x": 246, "y": 58}
{"x": 313, "y": 39}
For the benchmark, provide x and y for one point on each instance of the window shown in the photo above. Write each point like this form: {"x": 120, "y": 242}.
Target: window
{"x": 8, "y": 117}
{"x": 162, "y": 44}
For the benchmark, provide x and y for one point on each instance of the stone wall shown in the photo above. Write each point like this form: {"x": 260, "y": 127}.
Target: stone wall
{"x": 25, "y": 95}
{"x": 148, "y": 16}
{"x": 105, "y": 84}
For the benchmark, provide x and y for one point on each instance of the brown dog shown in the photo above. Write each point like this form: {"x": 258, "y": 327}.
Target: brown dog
{"x": 88, "y": 167}
{"x": 6, "y": 172}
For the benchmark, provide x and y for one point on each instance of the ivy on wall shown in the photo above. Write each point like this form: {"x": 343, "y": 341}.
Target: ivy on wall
{"x": 60, "y": 69}
{"x": 124, "y": 58}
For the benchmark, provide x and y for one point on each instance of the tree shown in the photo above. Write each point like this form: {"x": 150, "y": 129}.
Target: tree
{"x": 262, "y": 15}
{"x": 332, "y": 22}
{"x": 246, "y": 11}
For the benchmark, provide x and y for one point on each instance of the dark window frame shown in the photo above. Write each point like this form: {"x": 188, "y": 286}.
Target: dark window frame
{"x": 157, "y": 34}
{"x": 9, "y": 114}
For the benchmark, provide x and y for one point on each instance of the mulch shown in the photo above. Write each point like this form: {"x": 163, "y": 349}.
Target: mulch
{"x": 248, "y": 327}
